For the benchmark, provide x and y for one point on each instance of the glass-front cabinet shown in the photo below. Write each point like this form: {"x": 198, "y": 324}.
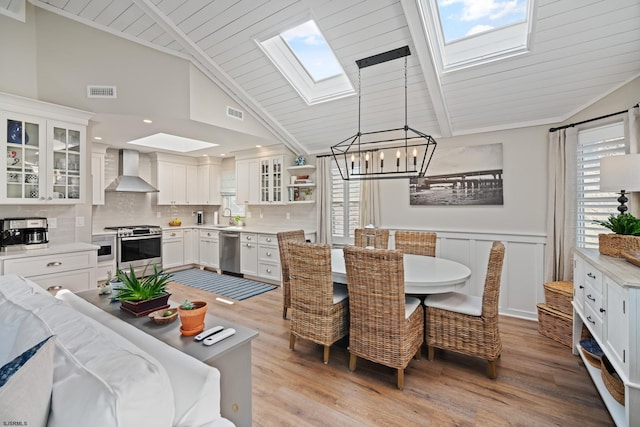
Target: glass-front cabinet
{"x": 271, "y": 180}
{"x": 44, "y": 160}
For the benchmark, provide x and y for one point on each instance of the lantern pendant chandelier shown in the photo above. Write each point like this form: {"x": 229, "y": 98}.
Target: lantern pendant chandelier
{"x": 407, "y": 151}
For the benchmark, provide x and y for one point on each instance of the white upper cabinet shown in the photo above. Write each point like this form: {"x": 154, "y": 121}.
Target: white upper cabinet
{"x": 42, "y": 159}
{"x": 185, "y": 180}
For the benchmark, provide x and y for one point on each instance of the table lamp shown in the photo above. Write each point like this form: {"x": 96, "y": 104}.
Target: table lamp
{"x": 620, "y": 174}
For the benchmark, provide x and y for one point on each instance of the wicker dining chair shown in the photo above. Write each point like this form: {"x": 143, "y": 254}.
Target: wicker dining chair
{"x": 416, "y": 242}
{"x": 286, "y": 236}
{"x": 319, "y": 310}
{"x": 378, "y": 237}
{"x": 385, "y": 326}
{"x": 469, "y": 324}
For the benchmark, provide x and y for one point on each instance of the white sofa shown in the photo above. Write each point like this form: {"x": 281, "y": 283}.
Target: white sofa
{"x": 105, "y": 372}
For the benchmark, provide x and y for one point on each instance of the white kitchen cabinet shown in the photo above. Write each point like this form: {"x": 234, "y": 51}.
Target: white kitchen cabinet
{"x": 172, "y": 248}
{"x": 268, "y": 257}
{"x": 97, "y": 175}
{"x": 191, "y": 246}
{"x": 247, "y": 181}
{"x": 271, "y": 180}
{"x": 249, "y": 253}
{"x": 171, "y": 181}
{"x": 209, "y": 185}
{"x": 209, "y": 249}
{"x": 67, "y": 266}
{"x": 192, "y": 186}
{"x": 607, "y": 301}
{"x": 42, "y": 160}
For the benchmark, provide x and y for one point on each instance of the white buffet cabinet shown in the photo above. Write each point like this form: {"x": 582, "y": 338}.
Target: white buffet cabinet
{"x": 70, "y": 266}
{"x": 607, "y": 300}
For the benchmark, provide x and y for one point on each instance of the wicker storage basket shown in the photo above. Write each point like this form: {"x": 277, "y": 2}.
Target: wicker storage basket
{"x": 612, "y": 381}
{"x": 558, "y": 295}
{"x": 615, "y": 244}
{"x": 555, "y": 324}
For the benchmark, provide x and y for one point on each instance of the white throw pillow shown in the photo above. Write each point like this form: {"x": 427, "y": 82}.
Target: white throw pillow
{"x": 25, "y": 386}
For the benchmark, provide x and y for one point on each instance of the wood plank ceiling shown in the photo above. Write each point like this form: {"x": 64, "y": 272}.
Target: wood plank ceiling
{"x": 580, "y": 51}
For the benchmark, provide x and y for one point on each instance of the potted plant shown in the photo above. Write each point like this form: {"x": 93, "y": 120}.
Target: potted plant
{"x": 141, "y": 296}
{"x": 192, "y": 315}
{"x": 625, "y": 236}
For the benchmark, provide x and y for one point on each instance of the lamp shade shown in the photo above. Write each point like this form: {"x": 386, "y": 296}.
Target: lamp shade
{"x": 620, "y": 173}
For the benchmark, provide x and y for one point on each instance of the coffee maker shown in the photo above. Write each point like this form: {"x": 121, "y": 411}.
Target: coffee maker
{"x": 199, "y": 217}
{"x": 18, "y": 234}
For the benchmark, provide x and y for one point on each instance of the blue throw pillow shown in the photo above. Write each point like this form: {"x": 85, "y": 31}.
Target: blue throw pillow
{"x": 7, "y": 371}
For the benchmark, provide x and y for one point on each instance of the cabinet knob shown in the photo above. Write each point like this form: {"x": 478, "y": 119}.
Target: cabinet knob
{"x": 268, "y": 253}
{"x": 268, "y": 239}
{"x": 589, "y": 297}
{"x": 249, "y": 245}
{"x": 248, "y": 237}
{"x": 269, "y": 270}
{"x": 581, "y": 287}
{"x": 173, "y": 234}
{"x": 602, "y": 310}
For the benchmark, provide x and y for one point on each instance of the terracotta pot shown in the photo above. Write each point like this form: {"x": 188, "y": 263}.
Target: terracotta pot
{"x": 193, "y": 320}
{"x": 615, "y": 244}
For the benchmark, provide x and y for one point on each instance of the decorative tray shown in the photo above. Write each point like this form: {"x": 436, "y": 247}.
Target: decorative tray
{"x": 592, "y": 351}
{"x": 632, "y": 257}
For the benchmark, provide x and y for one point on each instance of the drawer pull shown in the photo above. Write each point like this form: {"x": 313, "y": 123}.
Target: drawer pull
{"x": 248, "y": 237}
{"x": 54, "y": 289}
{"x": 173, "y": 234}
{"x": 602, "y": 310}
{"x": 591, "y": 321}
{"x": 589, "y": 297}
{"x": 249, "y": 245}
{"x": 591, "y": 275}
{"x": 54, "y": 264}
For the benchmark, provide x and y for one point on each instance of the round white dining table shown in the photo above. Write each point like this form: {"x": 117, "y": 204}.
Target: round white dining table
{"x": 423, "y": 275}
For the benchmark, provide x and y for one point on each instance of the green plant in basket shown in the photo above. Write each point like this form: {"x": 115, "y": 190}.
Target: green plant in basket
{"x": 141, "y": 289}
{"x": 625, "y": 224}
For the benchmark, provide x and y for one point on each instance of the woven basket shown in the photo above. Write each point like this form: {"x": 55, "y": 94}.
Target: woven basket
{"x": 612, "y": 381}
{"x": 555, "y": 324}
{"x": 615, "y": 244}
{"x": 558, "y": 295}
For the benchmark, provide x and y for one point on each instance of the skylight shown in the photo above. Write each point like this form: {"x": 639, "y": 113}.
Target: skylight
{"x": 175, "y": 143}
{"x": 472, "y": 32}
{"x": 464, "y": 18}
{"x": 312, "y": 50}
{"x": 305, "y": 59}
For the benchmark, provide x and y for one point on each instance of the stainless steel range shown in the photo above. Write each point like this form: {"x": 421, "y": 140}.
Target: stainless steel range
{"x": 138, "y": 246}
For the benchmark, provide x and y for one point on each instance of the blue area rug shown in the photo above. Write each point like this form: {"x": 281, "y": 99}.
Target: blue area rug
{"x": 228, "y": 286}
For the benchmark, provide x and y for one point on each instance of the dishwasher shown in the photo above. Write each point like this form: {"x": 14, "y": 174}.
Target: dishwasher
{"x": 230, "y": 252}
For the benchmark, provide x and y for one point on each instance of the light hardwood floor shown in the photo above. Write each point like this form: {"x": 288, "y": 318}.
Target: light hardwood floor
{"x": 540, "y": 383}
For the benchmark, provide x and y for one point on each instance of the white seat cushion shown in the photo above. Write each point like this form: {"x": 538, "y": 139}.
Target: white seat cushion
{"x": 410, "y": 305}
{"x": 456, "y": 302}
{"x": 340, "y": 293}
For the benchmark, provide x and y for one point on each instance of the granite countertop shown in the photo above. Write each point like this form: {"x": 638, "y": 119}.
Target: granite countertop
{"x": 51, "y": 250}
{"x": 244, "y": 229}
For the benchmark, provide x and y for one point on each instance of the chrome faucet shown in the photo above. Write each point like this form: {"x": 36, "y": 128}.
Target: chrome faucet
{"x": 224, "y": 213}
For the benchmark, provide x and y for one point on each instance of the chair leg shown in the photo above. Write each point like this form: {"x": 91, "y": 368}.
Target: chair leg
{"x": 430, "y": 352}
{"x": 326, "y": 354}
{"x": 492, "y": 369}
{"x": 292, "y": 341}
{"x": 284, "y": 312}
{"x": 418, "y": 354}
{"x": 401, "y": 379}
{"x": 352, "y": 362}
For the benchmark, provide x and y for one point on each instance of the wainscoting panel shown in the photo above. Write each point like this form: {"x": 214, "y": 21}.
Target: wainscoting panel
{"x": 522, "y": 275}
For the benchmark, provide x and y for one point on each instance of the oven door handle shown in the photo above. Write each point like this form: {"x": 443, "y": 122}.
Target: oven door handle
{"x": 139, "y": 237}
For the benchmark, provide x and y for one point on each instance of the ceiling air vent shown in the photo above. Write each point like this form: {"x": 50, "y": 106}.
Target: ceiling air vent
{"x": 95, "y": 91}
{"x": 235, "y": 113}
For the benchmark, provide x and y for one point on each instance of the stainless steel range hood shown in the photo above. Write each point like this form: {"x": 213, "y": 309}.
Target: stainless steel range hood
{"x": 129, "y": 179}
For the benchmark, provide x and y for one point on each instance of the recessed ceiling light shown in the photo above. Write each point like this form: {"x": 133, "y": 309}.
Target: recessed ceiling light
{"x": 97, "y": 138}
{"x": 147, "y": 121}
{"x": 258, "y": 146}
{"x": 222, "y": 155}
{"x": 175, "y": 143}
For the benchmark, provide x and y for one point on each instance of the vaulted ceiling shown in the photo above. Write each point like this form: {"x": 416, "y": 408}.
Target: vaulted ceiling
{"x": 579, "y": 51}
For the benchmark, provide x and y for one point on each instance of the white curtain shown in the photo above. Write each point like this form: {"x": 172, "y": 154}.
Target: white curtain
{"x": 369, "y": 202}
{"x": 323, "y": 202}
{"x": 634, "y": 148}
{"x": 561, "y": 205}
